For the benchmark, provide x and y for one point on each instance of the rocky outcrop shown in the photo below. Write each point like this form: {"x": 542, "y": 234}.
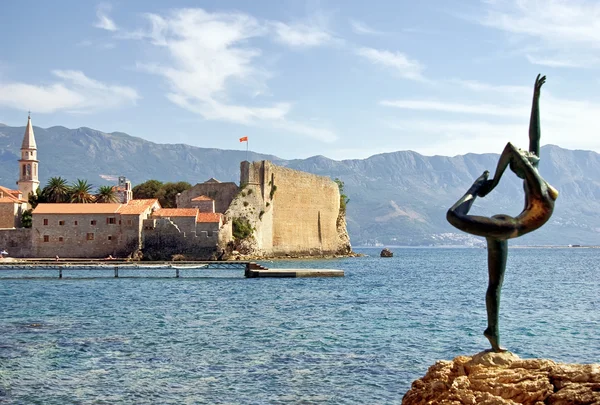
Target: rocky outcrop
{"x": 503, "y": 378}
{"x": 386, "y": 253}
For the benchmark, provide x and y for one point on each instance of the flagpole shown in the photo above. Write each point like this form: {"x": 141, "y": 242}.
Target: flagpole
{"x": 247, "y": 150}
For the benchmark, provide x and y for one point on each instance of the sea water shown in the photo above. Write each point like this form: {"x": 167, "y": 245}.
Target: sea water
{"x": 213, "y": 337}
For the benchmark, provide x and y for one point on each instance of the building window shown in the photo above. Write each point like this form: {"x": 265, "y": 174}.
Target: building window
{"x": 109, "y": 237}
{"x": 61, "y": 223}
{"x": 60, "y": 239}
{"x": 129, "y": 222}
{"x": 111, "y": 220}
{"x": 93, "y": 222}
{"x": 90, "y": 236}
{"x": 45, "y": 221}
{"x": 75, "y": 223}
{"x": 46, "y": 238}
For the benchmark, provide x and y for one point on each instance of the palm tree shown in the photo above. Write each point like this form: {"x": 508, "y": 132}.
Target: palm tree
{"x": 36, "y": 198}
{"x": 106, "y": 194}
{"x": 80, "y": 192}
{"x": 57, "y": 190}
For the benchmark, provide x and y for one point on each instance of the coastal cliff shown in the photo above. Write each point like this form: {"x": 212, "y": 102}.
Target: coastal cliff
{"x": 502, "y": 379}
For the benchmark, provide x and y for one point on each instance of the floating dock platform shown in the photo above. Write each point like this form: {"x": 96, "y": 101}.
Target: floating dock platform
{"x": 292, "y": 273}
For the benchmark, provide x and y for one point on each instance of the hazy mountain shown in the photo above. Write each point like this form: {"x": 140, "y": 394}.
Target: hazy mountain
{"x": 397, "y": 198}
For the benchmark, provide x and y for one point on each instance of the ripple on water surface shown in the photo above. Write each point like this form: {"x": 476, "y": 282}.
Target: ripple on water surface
{"x": 225, "y": 339}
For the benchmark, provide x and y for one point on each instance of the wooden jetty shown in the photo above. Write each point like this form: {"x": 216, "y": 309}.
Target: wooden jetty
{"x": 251, "y": 269}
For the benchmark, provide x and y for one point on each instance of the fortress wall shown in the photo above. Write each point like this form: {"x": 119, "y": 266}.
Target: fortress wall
{"x": 17, "y": 242}
{"x": 163, "y": 239}
{"x": 222, "y": 193}
{"x": 305, "y": 211}
{"x": 300, "y": 210}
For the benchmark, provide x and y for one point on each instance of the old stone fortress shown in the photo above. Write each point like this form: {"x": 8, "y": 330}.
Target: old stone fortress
{"x": 285, "y": 212}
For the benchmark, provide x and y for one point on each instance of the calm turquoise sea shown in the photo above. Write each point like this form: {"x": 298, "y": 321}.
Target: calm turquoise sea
{"x": 223, "y": 339}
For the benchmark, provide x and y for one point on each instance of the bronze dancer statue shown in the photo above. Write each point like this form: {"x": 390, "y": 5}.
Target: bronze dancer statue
{"x": 539, "y": 204}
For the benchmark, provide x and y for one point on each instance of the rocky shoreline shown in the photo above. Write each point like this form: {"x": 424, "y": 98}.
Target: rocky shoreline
{"x": 504, "y": 379}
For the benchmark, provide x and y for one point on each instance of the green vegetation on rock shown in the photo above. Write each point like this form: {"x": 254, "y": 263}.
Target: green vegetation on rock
{"x": 241, "y": 228}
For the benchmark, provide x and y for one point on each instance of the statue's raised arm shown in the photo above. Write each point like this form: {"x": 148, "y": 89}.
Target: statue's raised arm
{"x": 534, "y": 122}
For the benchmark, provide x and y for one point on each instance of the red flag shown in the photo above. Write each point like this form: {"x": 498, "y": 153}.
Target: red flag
{"x": 244, "y": 139}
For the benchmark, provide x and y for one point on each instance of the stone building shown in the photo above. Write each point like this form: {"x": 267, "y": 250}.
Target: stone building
{"x": 28, "y": 182}
{"x": 12, "y": 206}
{"x": 203, "y": 203}
{"x": 221, "y": 193}
{"x": 123, "y": 190}
{"x": 14, "y": 202}
{"x": 89, "y": 230}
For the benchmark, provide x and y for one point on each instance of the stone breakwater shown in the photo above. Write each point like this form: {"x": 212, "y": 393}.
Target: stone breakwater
{"x": 503, "y": 378}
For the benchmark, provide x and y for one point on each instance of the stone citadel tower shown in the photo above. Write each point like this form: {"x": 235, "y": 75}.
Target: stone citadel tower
{"x": 28, "y": 164}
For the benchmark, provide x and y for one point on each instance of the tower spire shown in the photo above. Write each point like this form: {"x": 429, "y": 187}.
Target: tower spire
{"x": 28, "y": 164}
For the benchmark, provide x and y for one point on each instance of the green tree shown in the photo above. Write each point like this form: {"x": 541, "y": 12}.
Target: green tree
{"x": 80, "y": 192}
{"x": 148, "y": 189}
{"x": 26, "y": 219}
{"x": 106, "y": 194}
{"x": 56, "y": 190}
{"x": 167, "y": 194}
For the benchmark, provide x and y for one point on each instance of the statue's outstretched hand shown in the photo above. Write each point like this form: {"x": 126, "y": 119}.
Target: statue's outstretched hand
{"x": 482, "y": 186}
{"x": 539, "y": 81}
{"x": 486, "y": 188}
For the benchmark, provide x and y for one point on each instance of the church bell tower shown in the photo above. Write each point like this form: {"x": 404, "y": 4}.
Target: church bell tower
{"x": 28, "y": 164}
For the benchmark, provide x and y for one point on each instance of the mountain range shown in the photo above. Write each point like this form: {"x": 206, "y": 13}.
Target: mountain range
{"x": 397, "y": 198}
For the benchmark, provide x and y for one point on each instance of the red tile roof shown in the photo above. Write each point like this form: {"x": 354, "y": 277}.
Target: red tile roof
{"x": 176, "y": 212}
{"x": 137, "y": 207}
{"x": 202, "y": 198}
{"x": 4, "y": 200}
{"x": 208, "y": 217}
{"x": 76, "y": 208}
{"x": 12, "y": 194}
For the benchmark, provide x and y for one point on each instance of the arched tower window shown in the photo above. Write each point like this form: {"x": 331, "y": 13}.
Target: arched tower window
{"x": 24, "y": 169}
{"x": 28, "y": 170}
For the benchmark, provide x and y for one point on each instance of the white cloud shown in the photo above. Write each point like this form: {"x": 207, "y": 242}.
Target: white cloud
{"x": 363, "y": 29}
{"x": 564, "y": 122}
{"x": 481, "y": 87}
{"x": 104, "y": 21}
{"x": 452, "y": 107}
{"x": 210, "y": 56}
{"x": 75, "y": 93}
{"x": 567, "y": 31}
{"x": 300, "y": 35}
{"x": 322, "y": 134}
{"x": 398, "y": 62}
{"x": 561, "y": 62}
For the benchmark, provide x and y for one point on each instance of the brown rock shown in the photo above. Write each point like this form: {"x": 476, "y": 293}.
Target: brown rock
{"x": 489, "y": 378}
{"x": 386, "y": 253}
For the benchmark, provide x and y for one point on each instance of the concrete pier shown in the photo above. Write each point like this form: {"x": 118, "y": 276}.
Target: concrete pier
{"x": 292, "y": 273}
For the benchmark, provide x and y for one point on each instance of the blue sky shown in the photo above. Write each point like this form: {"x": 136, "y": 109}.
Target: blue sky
{"x": 344, "y": 79}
